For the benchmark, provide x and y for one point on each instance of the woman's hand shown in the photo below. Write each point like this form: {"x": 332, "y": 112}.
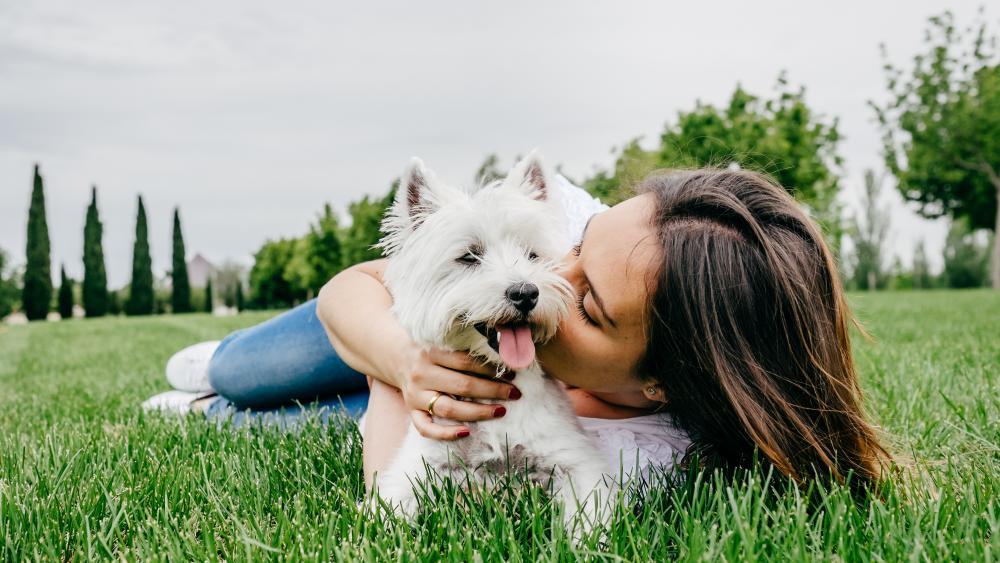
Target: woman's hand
{"x": 423, "y": 375}
{"x": 354, "y": 308}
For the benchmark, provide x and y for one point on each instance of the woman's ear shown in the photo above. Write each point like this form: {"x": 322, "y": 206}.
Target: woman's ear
{"x": 654, "y": 392}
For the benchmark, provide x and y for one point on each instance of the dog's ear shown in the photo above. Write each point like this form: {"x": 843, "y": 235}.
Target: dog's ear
{"x": 528, "y": 175}
{"x": 416, "y": 198}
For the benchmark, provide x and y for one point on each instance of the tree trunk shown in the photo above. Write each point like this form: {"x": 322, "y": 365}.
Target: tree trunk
{"x": 995, "y": 258}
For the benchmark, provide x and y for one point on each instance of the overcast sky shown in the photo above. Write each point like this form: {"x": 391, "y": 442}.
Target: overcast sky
{"x": 250, "y": 114}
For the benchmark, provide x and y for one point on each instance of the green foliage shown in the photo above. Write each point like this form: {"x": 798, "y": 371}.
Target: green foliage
{"x": 781, "y": 137}
{"x": 36, "y": 294}
{"x": 941, "y": 126}
{"x": 10, "y": 285}
{"x": 228, "y": 279}
{"x": 289, "y": 271}
{"x": 180, "y": 297}
{"x": 317, "y": 256}
{"x": 87, "y": 475}
{"x": 869, "y": 233}
{"x": 239, "y": 301}
{"x": 140, "y": 295}
{"x": 489, "y": 171}
{"x": 364, "y": 232}
{"x": 95, "y": 279}
{"x": 65, "y": 295}
{"x": 965, "y": 259}
{"x": 209, "y": 296}
{"x": 325, "y": 256}
{"x": 268, "y": 286}
{"x": 115, "y": 302}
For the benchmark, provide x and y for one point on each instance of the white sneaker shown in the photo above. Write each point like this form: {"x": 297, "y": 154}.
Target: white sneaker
{"x": 173, "y": 402}
{"x": 187, "y": 370}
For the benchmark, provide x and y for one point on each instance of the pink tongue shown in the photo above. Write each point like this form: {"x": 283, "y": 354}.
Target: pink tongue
{"x": 516, "y": 347}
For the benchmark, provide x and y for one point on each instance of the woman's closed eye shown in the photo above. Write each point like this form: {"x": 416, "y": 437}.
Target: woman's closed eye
{"x": 582, "y": 311}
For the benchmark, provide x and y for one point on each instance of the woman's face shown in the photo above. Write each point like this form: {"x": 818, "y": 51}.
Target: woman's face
{"x": 598, "y": 348}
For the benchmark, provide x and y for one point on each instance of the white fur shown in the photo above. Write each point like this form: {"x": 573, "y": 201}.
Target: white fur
{"x": 439, "y": 300}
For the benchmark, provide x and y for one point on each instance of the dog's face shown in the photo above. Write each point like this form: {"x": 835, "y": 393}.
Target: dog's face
{"x": 477, "y": 270}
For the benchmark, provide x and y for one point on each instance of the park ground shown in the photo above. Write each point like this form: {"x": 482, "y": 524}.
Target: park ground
{"x": 85, "y": 474}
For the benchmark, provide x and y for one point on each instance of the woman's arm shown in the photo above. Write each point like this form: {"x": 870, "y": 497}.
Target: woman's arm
{"x": 354, "y": 308}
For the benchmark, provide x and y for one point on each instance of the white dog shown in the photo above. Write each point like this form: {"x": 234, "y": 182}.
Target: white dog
{"x": 477, "y": 271}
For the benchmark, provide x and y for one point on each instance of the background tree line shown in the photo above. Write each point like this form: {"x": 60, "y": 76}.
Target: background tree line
{"x": 941, "y": 145}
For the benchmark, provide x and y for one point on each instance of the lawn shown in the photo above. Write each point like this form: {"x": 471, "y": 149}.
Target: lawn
{"x": 85, "y": 474}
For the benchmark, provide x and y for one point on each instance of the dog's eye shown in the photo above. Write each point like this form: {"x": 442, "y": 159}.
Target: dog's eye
{"x": 533, "y": 256}
{"x": 469, "y": 259}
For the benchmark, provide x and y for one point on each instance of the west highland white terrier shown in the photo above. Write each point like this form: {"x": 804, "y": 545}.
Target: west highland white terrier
{"x": 476, "y": 270}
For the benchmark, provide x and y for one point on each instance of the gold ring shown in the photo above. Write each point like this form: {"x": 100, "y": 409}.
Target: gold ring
{"x": 430, "y": 405}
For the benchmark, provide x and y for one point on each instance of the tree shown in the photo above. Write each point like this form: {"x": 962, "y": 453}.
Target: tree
{"x": 781, "y": 137}
{"x": 363, "y": 234}
{"x": 10, "y": 288}
{"x": 922, "y": 278}
{"x": 965, "y": 259}
{"x": 240, "y": 305}
{"x": 95, "y": 279}
{"x": 941, "y": 127}
{"x": 870, "y": 232}
{"x": 489, "y": 171}
{"x": 226, "y": 279}
{"x": 316, "y": 257}
{"x": 209, "y": 297}
{"x": 65, "y": 295}
{"x": 141, "y": 295}
{"x": 114, "y": 303}
{"x": 325, "y": 253}
{"x": 268, "y": 286}
{"x": 180, "y": 297}
{"x": 36, "y": 295}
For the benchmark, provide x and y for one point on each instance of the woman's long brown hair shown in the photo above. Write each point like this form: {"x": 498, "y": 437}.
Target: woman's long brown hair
{"x": 749, "y": 331}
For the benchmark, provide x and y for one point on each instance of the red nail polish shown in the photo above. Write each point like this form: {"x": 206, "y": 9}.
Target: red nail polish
{"x": 499, "y": 411}
{"x": 463, "y": 433}
{"x": 515, "y": 393}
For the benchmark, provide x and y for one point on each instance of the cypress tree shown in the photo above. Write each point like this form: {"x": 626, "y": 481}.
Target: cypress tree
{"x": 95, "y": 279}
{"x": 65, "y": 295}
{"x": 140, "y": 298}
{"x": 36, "y": 296}
{"x": 239, "y": 295}
{"x": 114, "y": 304}
{"x": 181, "y": 296}
{"x": 208, "y": 296}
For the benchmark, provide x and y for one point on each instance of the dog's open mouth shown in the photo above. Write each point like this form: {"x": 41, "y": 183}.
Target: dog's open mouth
{"x": 512, "y": 341}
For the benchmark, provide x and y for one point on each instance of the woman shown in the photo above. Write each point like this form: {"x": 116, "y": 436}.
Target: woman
{"x": 709, "y": 300}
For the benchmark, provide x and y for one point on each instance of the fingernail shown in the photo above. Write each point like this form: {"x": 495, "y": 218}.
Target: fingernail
{"x": 499, "y": 411}
{"x": 509, "y": 375}
{"x": 515, "y": 393}
{"x": 463, "y": 433}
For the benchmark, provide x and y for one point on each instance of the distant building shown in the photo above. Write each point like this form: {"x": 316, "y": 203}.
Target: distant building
{"x": 200, "y": 270}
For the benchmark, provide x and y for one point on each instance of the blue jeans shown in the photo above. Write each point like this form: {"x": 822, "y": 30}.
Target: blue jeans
{"x": 274, "y": 368}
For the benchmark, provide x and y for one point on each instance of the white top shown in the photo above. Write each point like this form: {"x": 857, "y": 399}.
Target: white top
{"x": 578, "y": 205}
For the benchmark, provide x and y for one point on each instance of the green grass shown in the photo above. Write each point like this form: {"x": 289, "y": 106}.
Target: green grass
{"x": 84, "y": 474}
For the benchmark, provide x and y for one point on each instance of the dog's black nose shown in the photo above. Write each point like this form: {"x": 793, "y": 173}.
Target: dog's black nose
{"x": 524, "y": 296}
